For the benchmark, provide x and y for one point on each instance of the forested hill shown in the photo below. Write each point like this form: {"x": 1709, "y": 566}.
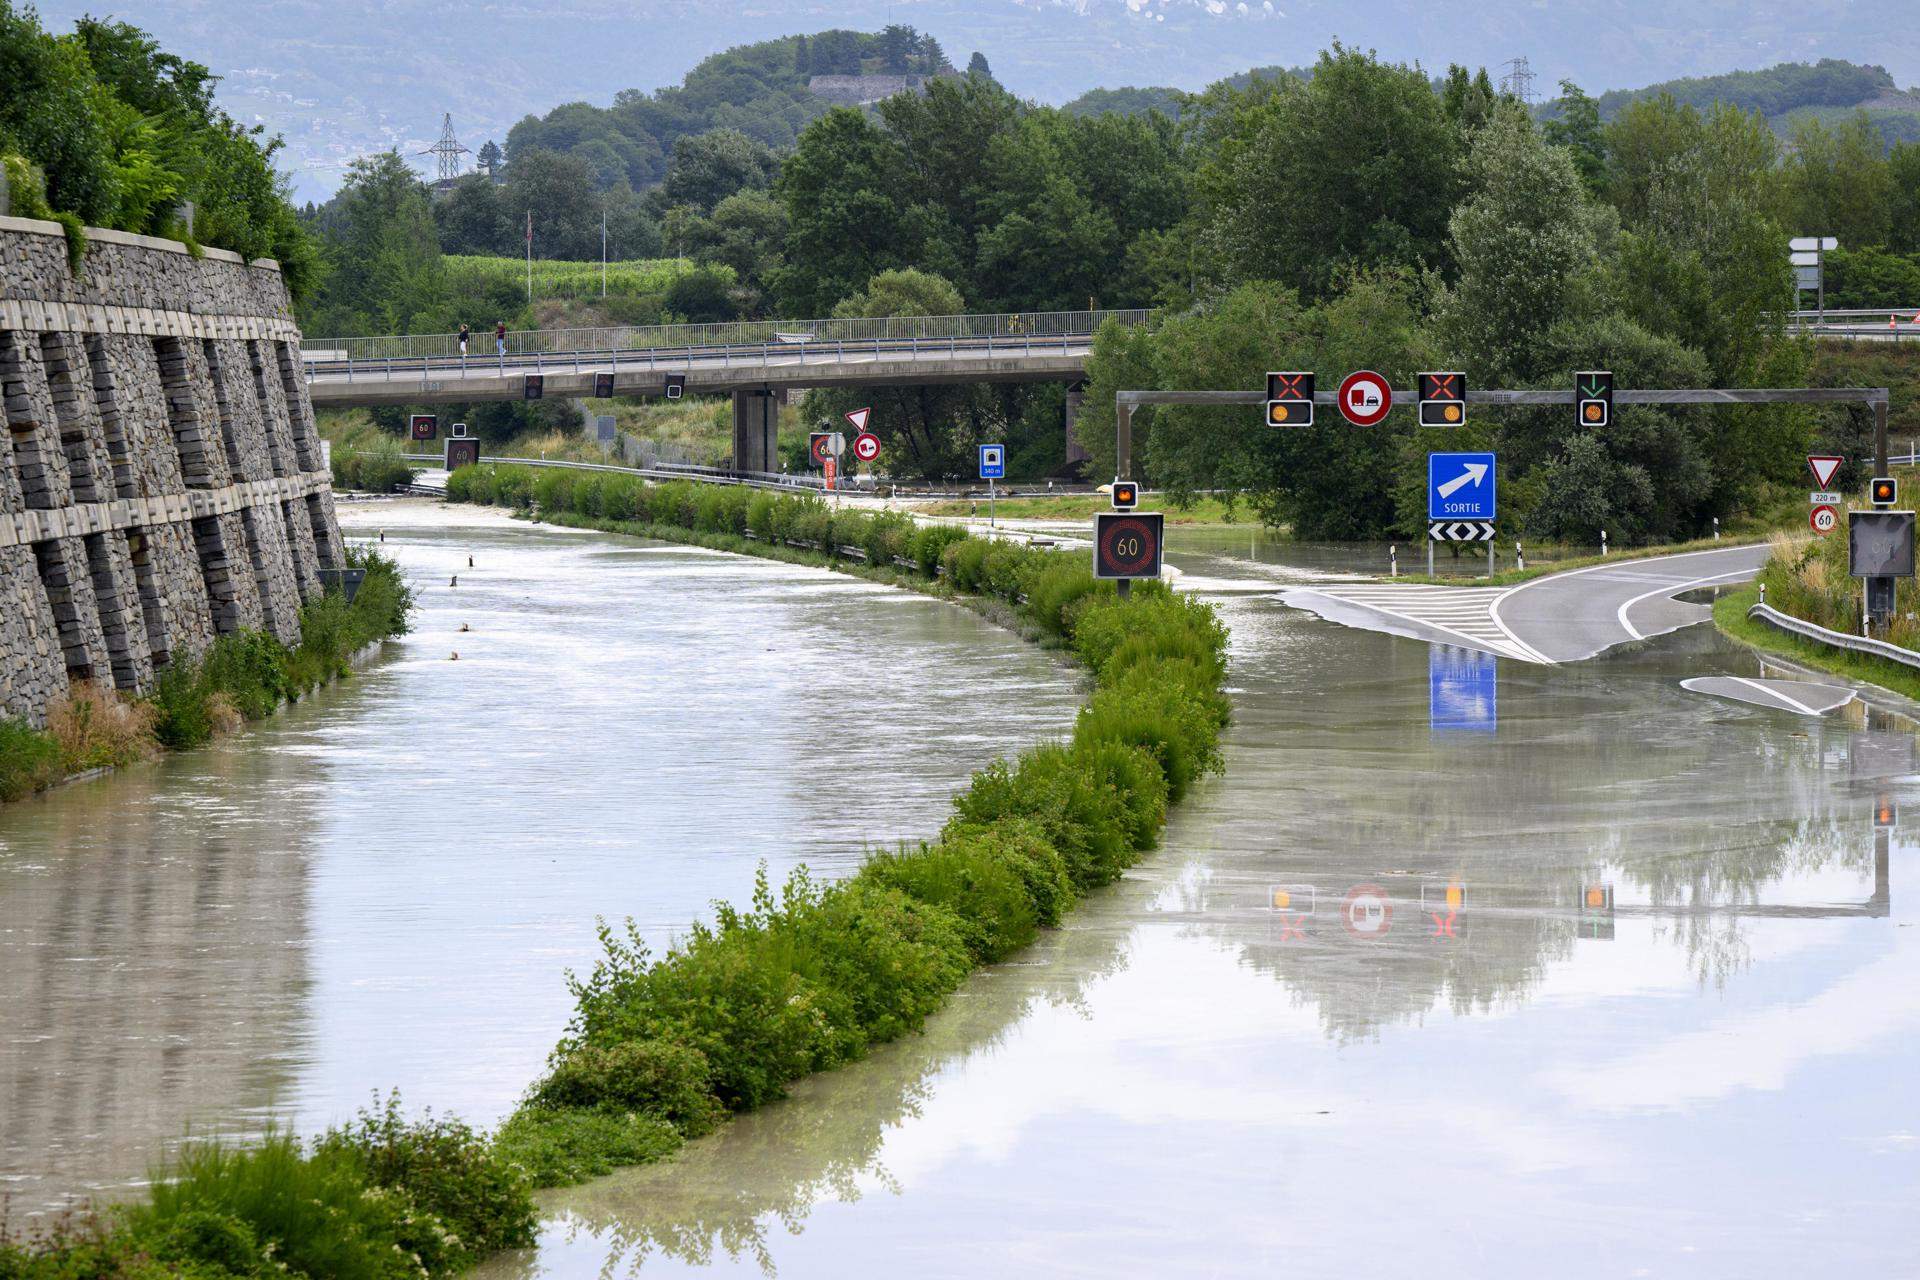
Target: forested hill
{"x": 1792, "y": 92}
{"x": 759, "y": 90}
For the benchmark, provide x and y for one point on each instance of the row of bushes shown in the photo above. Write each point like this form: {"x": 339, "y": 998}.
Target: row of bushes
{"x": 812, "y": 975}
{"x": 243, "y": 676}
{"x": 382, "y": 1198}
{"x": 379, "y": 468}
{"x": 1810, "y": 579}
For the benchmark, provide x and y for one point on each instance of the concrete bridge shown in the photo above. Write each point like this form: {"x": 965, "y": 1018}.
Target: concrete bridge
{"x": 754, "y": 363}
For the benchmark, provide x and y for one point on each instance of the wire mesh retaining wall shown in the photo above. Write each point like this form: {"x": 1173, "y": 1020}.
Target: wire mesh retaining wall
{"x": 734, "y": 333}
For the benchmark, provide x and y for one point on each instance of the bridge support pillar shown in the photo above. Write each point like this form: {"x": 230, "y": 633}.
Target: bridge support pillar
{"x": 756, "y": 419}
{"x": 1076, "y": 396}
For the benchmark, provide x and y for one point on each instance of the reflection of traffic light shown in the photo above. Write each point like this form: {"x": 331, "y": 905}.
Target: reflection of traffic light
{"x": 1126, "y": 495}
{"x": 1884, "y": 491}
{"x": 1443, "y": 399}
{"x": 1593, "y": 398}
{"x": 1291, "y": 897}
{"x": 1596, "y": 912}
{"x": 1885, "y": 814}
{"x": 1290, "y": 399}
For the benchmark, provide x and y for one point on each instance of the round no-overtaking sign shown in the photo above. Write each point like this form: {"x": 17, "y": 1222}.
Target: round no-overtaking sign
{"x": 866, "y": 446}
{"x": 1364, "y": 398}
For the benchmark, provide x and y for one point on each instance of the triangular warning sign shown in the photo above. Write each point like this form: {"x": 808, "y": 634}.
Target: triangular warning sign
{"x": 1825, "y": 467}
{"x": 859, "y": 419}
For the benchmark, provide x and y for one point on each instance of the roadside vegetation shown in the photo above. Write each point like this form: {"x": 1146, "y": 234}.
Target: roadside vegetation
{"x": 811, "y": 975}
{"x": 383, "y": 1197}
{"x": 1198, "y": 509}
{"x": 244, "y": 676}
{"x": 100, "y": 127}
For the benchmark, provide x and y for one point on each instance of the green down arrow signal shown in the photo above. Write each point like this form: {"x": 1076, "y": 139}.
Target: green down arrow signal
{"x": 1594, "y": 388}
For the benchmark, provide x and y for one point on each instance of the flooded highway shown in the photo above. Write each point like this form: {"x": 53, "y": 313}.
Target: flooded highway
{"x": 1465, "y": 966}
{"x": 384, "y": 886}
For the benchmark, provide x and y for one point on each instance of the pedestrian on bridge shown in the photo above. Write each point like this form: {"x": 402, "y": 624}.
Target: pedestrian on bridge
{"x": 500, "y": 338}
{"x": 465, "y": 332}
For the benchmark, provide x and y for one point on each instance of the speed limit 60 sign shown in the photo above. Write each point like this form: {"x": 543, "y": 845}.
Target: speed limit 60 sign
{"x": 1126, "y": 544}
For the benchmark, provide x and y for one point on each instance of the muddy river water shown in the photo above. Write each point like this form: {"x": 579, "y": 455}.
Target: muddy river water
{"x": 1464, "y": 966}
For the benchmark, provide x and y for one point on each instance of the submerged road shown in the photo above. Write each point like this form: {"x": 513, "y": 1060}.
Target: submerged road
{"x": 1564, "y": 617}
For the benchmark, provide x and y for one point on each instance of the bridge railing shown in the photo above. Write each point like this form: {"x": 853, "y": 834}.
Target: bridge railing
{"x": 531, "y": 342}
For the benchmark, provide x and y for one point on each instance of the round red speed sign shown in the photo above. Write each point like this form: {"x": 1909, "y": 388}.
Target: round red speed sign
{"x": 866, "y": 446}
{"x": 1823, "y": 519}
{"x": 1367, "y": 913}
{"x": 1364, "y": 398}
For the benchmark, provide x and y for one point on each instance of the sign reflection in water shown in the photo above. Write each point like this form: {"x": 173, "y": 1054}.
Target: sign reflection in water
{"x": 1463, "y": 690}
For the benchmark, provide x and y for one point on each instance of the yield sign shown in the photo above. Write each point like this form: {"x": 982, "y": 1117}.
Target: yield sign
{"x": 1825, "y": 467}
{"x": 859, "y": 420}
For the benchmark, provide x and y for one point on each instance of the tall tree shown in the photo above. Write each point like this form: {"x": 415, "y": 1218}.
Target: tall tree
{"x": 844, "y": 222}
{"x": 1577, "y": 127}
{"x": 1359, "y": 166}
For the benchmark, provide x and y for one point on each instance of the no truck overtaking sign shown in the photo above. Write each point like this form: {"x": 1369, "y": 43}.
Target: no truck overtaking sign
{"x": 1365, "y": 398}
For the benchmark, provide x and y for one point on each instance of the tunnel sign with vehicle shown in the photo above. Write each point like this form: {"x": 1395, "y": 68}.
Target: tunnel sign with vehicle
{"x": 1127, "y": 544}
{"x": 866, "y": 446}
{"x": 1365, "y": 398}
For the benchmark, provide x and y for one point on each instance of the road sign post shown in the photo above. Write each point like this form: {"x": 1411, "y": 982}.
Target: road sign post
{"x": 993, "y": 466}
{"x": 1462, "y": 500}
{"x": 1127, "y": 545}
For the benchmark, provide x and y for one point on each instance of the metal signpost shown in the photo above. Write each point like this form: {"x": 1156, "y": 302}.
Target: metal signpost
{"x": 1809, "y": 257}
{"x": 1597, "y": 391}
{"x": 1879, "y": 549}
{"x": 1462, "y": 501}
{"x": 993, "y": 466}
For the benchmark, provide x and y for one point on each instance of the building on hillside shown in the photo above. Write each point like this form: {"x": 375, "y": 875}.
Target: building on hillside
{"x": 860, "y": 91}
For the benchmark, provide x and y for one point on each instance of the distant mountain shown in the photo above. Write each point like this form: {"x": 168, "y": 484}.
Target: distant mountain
{"x": 343, "y": 77}
{"x": 1828, "y": 90}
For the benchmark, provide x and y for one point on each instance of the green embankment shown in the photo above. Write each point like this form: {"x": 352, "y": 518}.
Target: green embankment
{"x": 244, "y": 676}
{"x": 1808, "y": 578}
{"x": 803, "y": 979}
{"x": 811, "y": 976}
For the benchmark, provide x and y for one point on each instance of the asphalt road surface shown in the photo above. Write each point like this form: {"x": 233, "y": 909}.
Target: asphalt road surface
{"x": 1564, "y": 617}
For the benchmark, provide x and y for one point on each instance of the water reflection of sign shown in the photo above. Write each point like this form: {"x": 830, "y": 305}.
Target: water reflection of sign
{"x": 1463, "y": 691}
{"x": 1444, "y": 906}
{"x": 1292, "y": 906}
{"x": 1596, "y": 912}
{"x": 1367, "y": 913}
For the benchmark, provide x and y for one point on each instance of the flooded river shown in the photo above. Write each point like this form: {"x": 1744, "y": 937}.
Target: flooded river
{"x": 1465, "y": 967}
{"x": 384, "y": 886}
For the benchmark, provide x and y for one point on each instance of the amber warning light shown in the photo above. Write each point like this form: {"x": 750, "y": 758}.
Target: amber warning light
{"x": 1290, "y": 399}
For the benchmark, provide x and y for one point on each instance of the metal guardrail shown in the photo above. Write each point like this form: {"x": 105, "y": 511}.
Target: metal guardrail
{"x": 1837, "y": 639}
{"x": 666, "y": 471}
{"x": 1844, "y": 314}
{"x": 755, "y": 333}
{"x": 765, "y": 355}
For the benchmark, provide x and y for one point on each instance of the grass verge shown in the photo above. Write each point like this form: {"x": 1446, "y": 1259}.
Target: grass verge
{"x": 1730, "y": 616}
{"x": 243, "y": 676}
{"x": 810, "y": 975}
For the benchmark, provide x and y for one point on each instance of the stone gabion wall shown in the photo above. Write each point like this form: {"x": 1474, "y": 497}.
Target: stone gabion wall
{"x": 160, "y": 477}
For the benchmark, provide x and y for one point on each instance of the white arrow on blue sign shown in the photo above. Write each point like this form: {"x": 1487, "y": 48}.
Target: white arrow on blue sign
{"x": 993, "y": 462}
{"x": 1460, "y": 486}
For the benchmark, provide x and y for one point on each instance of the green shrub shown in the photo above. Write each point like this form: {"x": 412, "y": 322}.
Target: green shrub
{"x": 988, "y": 897}
{"x": 556, "y": 1148}
{"x": 760, "y": 516}
{"x": 1058, "y": 585}
{"x": 887, "y": 537}
{"x": 379, "y": 469}
{"x": 1136, "y": 776}
{"x": 929, "y": 544}
{"x": 1079, "y": 812}
{"x": 250, "y": 668}
{"x": 1168, "y": 709}
{"x": 443, "y": 1168}
{"x": 29, "y": 759}
{"x": 553, "y": 488}
{"x": 314, "y": 1213}
{"x": 964, "y": 563}
{"x": 668, "y": 1080}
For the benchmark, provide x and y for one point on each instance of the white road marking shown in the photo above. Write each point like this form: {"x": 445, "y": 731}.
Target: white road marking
{"x": 1672, "y": 589}
{"x": 1770, "y": 691}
